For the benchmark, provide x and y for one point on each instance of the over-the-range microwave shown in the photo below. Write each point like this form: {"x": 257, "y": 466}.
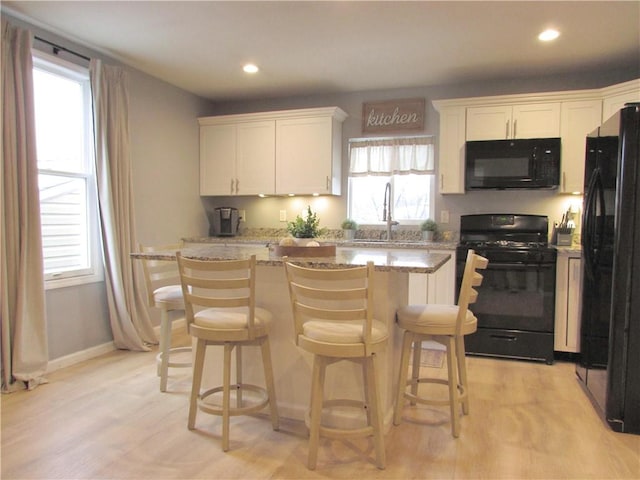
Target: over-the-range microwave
{"x": 520, "y": 163}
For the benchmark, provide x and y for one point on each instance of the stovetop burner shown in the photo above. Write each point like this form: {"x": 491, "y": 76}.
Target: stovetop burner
{"x": 507, "y": 237}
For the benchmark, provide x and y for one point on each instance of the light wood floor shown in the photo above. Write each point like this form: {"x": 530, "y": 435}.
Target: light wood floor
{"x": 105, "y": 418}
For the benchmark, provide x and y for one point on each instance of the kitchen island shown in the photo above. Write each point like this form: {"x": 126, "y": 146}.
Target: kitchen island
{"x": 292, "y": 366}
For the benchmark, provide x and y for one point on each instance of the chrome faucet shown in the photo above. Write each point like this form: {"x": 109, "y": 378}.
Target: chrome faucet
{"x": 386, "y": 209}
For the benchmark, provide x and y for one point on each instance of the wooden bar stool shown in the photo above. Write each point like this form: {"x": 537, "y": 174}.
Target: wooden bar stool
{"x": 220, "y": 310}
{"x": 447, "y": 325}
{"x": 164, "y": 292}
{"x": 333, "y": 320}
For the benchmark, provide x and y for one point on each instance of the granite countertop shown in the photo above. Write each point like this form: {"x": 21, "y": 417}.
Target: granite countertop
{"x": 410, "y": 261}
{"x": 339, "y": 242}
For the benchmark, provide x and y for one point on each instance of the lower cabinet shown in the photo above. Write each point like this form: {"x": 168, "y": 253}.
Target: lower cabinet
{"x": 568, "y": 302}
{"x": 438, "y": 287}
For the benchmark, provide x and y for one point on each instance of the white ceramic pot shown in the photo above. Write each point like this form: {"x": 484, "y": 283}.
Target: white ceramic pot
{"x": 348, "y": 234}
{"x": 427, "y": 235}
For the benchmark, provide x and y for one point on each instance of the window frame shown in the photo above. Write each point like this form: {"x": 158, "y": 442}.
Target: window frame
{"x": 95, "y": 271}
{"x": 429, "y": 177}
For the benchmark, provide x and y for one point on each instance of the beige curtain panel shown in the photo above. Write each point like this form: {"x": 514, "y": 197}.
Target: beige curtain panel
{"x": 24, "y": 330}
{"x": 128, "y": 314}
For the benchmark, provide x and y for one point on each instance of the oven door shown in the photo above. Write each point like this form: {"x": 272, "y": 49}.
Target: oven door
{"x": 515, "y": 296}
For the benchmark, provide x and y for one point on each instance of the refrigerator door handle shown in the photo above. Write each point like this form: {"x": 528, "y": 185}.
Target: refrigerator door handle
{"x": 588, "y": 227}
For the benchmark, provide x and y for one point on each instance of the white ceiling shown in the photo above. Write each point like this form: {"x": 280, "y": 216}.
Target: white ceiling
{"x": 309, "y": 47}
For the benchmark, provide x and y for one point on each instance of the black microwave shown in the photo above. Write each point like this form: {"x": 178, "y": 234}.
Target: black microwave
{"x": 505, "y": 164}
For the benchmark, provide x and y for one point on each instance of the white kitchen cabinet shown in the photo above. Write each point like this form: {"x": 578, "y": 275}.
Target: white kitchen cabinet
{"x": 438, "y": 287}
{"x": 283, "y": 152}
{"x": 568, "y": 302}
{"x": 451, "y": 149}
{"x": 308, "y": 155}
{"x": 528, "y": 120}
{"x": 577, "y": 119}
{"x": 617, "y": 95}
{"x": 237, "y": 159}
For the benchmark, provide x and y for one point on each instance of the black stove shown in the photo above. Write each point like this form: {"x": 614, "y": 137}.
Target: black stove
{"x": 516, "y": 302}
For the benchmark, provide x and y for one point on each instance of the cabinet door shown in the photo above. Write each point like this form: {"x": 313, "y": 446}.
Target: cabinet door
{"x": 531, "y": 120}
{"x": 304, "y": 155}
{"x": 442, "y": 284}
{"x": 451, "y": 150}
{"x": 574, "y": 302}
{"x": 536, "y": 120}
{"x": 568, "y": 302}
{"x": 489, "y": 123}
{"x": 612, "y": 103}
{"x": 577, "y": 119}
{"x": 217, "y": 159}
{"x": 255, "y": 158}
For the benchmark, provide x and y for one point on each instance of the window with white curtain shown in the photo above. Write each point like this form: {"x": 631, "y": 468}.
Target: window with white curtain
{"x": 407, "y": 163}
{"x": 66, "y": 177}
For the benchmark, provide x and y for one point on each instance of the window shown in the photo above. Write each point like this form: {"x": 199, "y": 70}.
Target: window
{"x": 407, "y": 163}
{"x": 66, "y": 178}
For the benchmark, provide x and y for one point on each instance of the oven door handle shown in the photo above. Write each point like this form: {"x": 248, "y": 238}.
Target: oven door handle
{"x": 518, "y": 266}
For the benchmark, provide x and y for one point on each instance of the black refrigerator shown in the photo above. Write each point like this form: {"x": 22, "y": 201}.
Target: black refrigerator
{"x": 609, "y": 365}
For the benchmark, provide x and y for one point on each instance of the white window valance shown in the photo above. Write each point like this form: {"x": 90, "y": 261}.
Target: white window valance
{"x": 391, "y": 156}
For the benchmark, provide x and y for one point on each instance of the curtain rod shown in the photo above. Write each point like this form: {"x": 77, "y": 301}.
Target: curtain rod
{"x": 57, "y": 48}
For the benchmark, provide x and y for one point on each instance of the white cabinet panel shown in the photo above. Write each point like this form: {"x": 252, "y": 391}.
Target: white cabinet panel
{"x": 527, "y": 120}
{"x": 255, "y": 159}
{"x": 577, "y": 119}
{"x": 289, "y": 151}
{"x": 305, "y": 156}
{"x": 217, "y": 159}
{"x": 568, "y": 302}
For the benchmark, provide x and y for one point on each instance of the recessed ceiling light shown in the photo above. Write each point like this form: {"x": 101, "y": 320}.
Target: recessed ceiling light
{"x": 548, "y": 35}
{"x": 250, "y": 68}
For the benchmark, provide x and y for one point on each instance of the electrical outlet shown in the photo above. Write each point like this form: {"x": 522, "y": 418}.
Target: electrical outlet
{"x": 283, "y": 215}
{"x": 243, "y": 215}
{"x": 444, "y": 216}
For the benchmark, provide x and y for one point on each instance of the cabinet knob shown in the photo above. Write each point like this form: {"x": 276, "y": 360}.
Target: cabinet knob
{"x": 231, "y": 187}
{"x": 506, "y": 129}
{"x": 237, "y": 186}
{"x": 327, "y": 187}
{"x": 515, "y": 127}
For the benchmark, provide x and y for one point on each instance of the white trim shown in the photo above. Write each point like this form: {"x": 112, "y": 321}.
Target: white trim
{"x": 78, "y": 357}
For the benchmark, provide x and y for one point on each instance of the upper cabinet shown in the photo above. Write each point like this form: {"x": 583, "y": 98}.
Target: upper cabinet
{"x": 617, "y": 95}
{"x": 501, "y": 122}
{"x": 569, "y": 115}
{"x": 237, "y": 159}
{"x": 578, "y": 118}
{"x": 272, "y": 153}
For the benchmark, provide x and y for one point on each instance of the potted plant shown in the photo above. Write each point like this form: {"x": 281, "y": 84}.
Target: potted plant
{"x": 308, "y": 227}
{"x": 429, "y": 227}
{"x": 349, "y": 228}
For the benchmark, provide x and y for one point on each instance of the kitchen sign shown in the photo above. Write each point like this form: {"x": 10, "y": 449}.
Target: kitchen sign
{"x": 393, "y": 116}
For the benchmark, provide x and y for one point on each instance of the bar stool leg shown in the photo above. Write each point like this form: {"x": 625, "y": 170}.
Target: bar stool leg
{"x": 402, "y": 378}
{"x": 376, "y": 414}
{"x": 462, "y": 372}
{"x": 415, "y": 368}
{"x": 198, "y": 366}
{"x": 165, "y": 347}
{"x": 269, "y": 382}
{"x": 317, "y": 393}
{"x": 226, "y": 395}
{"x": 452, "y": 367}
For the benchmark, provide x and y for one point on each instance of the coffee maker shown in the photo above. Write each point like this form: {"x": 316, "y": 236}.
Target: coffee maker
{"x": 224, "y": 222}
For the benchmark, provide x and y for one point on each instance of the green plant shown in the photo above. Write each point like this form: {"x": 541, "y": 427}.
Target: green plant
{"x": 308, "y": 227}
{"x": 348, "y": 224}
{"x": 429, "y": 225}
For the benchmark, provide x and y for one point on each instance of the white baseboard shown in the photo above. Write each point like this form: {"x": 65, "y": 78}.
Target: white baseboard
{"x": 81, "y": 356}
{"x": 92, "y": 352}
